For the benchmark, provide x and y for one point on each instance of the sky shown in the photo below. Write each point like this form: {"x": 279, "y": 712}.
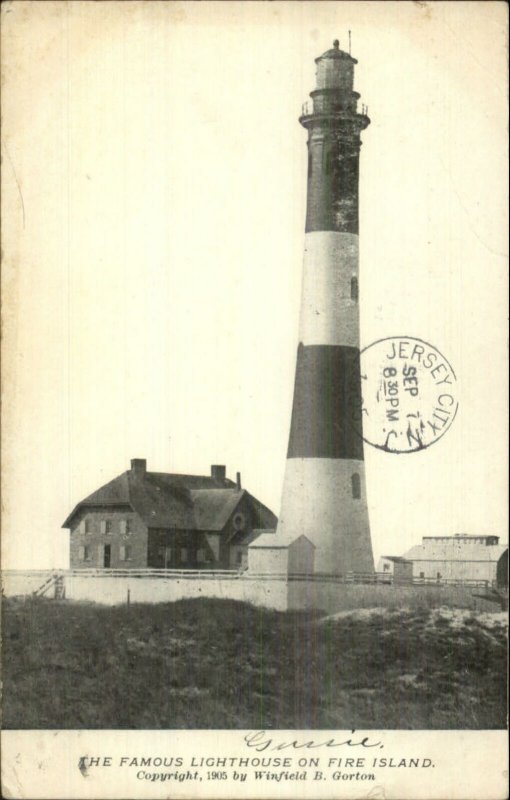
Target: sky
{"x": 154, "y": 190}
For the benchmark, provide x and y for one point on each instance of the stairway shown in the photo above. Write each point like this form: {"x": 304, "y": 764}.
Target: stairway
{"x": 55, "y": 582}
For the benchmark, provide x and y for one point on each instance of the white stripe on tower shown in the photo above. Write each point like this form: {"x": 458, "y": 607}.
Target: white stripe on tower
{"x": 318, "y": 502}
{"x": 329, "y": 299}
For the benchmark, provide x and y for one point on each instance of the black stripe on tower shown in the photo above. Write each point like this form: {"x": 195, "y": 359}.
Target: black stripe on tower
{"x": 327, "y": 403}
{"x": 333, "y": 178}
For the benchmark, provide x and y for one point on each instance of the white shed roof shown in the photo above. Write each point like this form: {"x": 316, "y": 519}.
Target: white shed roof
{"x": 397, "y": 559}
{"x": 276, "y": 541}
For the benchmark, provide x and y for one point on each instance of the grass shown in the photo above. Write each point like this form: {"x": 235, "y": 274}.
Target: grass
{"x": 211, "y": 663}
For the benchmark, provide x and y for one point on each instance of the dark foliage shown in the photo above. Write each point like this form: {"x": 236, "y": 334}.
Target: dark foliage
{"x": 223, "y": 664}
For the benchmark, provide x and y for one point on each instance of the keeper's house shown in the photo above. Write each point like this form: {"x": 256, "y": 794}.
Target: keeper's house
{"x": 460, "y": 557}
{"x": 163, "y": 521}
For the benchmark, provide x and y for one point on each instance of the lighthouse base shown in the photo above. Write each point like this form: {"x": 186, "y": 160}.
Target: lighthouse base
{"x": 325, "y": 500}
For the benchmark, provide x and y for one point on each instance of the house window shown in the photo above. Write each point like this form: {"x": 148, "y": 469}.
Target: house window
{"x": 200, "y": 556}
{"x": 386, "y": 568}
{"x": 106, "y": 526}
{"x": 125, "y": 526}
{"x": 354, "y": 288}
{"x": 438, "y": 576}
{"x": 84, "y": 553}
{"x": 239, "y": 521}
{"x": 184, "y": 555}
{"x": 356, "y": 486}
{"x": 124, "y": 553}
{"x": 422, "y": 574}
{"x": 84, "y": 526}
{"x": 239, "y": 558}
{"x": 165, "y": 556}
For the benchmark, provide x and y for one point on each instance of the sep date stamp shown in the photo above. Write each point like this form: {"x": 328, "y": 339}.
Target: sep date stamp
{"x": 409, "y": 394}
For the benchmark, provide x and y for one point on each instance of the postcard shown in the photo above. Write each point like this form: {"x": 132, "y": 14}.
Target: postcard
{"x": 254, "y": 281}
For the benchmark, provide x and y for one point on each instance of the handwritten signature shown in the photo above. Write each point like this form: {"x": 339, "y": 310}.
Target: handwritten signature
{"x": 260, "y": 741}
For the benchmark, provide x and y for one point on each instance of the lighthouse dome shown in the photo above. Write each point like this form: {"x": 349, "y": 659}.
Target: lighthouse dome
{"x": 336, "y": 54}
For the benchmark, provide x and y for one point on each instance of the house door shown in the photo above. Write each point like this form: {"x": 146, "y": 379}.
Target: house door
{"x": 107, "y": 555}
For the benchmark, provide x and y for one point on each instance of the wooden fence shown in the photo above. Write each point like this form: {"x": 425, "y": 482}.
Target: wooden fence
{"x": 45, "y": 579}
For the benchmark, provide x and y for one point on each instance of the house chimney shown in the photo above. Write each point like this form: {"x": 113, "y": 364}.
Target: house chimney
{"x": 238, "y": 481}
{"x": 138, "y": 466}
{"x": 218, "y": 472}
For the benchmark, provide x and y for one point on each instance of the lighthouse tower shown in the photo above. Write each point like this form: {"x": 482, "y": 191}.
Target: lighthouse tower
{"x": 324, "y": 492}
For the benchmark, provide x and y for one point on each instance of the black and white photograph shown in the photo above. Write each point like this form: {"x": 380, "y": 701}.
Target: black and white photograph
{"x": 254, "y": 400}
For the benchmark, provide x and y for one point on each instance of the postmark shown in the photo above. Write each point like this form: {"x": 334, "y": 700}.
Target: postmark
{"x": 409, "y": 394}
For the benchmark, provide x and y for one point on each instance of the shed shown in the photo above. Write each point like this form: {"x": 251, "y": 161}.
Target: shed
{"x": 279, "y": 554}
{"x": 502, "y": 570}
{"x": 401, "y": 569}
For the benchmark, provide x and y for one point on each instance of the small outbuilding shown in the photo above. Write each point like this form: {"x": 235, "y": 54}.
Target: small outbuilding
{"x": 396, "y": 568}
{"x": 278, "y": 554}
{"x": 502, "y": 570}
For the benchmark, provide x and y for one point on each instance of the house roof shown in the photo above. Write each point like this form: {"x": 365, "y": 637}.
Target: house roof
{"x": 186, "y": 502}
{"x": 243, "y": 538}
{"x": 214, "y": 507}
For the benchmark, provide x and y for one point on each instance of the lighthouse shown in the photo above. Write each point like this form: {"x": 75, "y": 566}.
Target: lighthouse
{"x": 324, "y": 490}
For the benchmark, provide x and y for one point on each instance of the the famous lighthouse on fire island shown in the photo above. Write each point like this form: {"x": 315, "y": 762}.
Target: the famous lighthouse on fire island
{"x": 324, "y": 492}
